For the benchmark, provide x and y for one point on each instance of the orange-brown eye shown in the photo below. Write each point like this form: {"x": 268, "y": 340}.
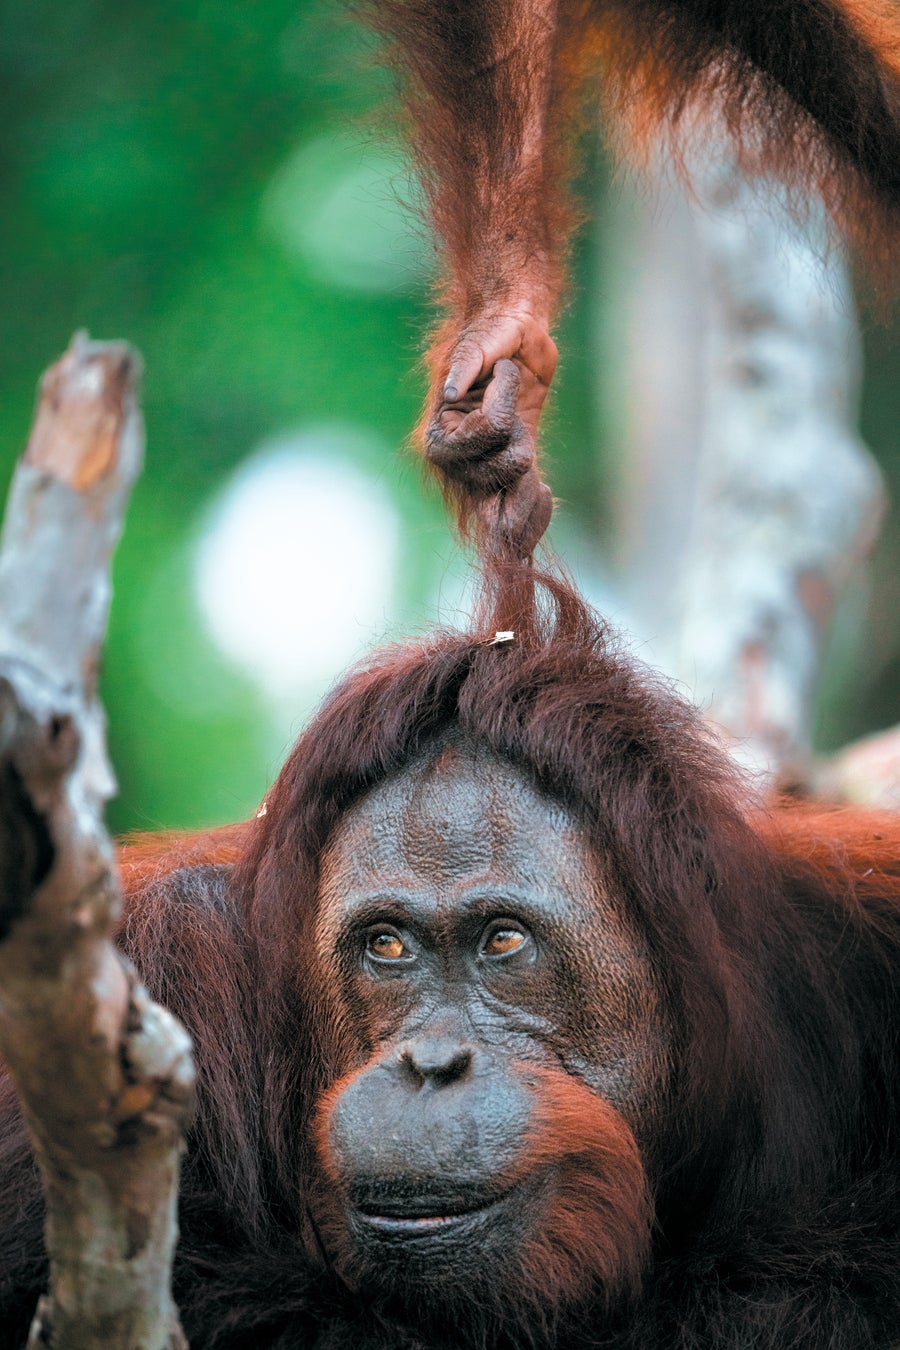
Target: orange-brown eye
{"x": 503, "y": 941}
{"x": 386, "y": 946}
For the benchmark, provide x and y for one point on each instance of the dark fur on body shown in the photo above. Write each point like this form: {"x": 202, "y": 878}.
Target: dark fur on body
{"x": 775, "y": 1181}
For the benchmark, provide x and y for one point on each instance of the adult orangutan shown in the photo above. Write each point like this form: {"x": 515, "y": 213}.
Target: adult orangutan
{"x": 516, "y": 1027}
{"x": 517, "y": 1023}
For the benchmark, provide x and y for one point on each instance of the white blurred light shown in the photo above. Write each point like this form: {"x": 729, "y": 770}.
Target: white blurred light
{"x": 338, "y": 206}
{"x": 295, "y": 568}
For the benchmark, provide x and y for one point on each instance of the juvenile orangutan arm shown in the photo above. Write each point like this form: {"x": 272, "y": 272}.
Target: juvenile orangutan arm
{"x": 489, "y": 86}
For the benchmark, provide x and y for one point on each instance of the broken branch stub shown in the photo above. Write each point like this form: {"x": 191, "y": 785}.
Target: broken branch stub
{"x": 105, "y": 1077}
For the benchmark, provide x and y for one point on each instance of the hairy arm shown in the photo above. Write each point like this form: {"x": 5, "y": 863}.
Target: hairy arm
{"x": 489, "y": 85}
{"x": 497, "y": 197}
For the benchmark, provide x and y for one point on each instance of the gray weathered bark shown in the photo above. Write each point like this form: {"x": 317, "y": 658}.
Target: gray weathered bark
{"x": 104, "y": 1075}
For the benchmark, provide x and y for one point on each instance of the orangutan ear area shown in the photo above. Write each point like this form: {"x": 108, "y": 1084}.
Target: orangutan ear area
{"x": 519, "y": 1024}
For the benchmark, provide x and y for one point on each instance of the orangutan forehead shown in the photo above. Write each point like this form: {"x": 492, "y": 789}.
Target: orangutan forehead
{"x": 457, "y": 815}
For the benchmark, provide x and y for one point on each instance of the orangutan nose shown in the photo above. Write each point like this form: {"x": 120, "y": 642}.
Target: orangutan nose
{"x": 439, "y": 1061}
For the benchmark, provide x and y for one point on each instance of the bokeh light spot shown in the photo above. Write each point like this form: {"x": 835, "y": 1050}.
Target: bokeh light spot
{"x": 296, "y": 563}
{"x": 342, "y": 209}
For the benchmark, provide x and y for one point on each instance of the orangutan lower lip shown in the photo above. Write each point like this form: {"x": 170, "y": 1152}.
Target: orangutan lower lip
{"x": 408, "y": 1223}
{"x": 390, "y": 1223}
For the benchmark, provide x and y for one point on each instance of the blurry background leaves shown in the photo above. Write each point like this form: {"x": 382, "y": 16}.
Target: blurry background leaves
{"x": 222, "y": 186}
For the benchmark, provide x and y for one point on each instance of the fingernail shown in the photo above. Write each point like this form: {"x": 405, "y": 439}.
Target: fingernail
{"x": 451, "y": 393}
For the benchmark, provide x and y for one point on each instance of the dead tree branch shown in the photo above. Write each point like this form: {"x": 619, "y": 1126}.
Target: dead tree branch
{"x": 105, "y": 1076}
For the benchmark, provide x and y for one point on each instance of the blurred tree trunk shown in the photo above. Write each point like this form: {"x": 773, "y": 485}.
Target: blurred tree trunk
{"x": 749, "y": 500}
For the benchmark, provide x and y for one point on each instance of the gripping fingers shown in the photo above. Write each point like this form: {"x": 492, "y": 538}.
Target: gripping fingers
{"x": 493, "y": 338}
{"x": 477, "y": 354}
{"x": 464, "y": 371}
{"x": 487, "y": 444}
{"x": 483, "y": 444}
{"x": 501, "y": 395}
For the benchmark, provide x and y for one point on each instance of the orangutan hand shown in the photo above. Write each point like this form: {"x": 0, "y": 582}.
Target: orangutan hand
{"x": 483, "y": 444}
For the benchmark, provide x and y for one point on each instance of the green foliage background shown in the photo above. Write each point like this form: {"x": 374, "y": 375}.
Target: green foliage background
{"x": 145, "y": 162}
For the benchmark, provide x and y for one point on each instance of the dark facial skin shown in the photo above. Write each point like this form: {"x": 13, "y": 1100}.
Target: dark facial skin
{"x": 466, "y": 927}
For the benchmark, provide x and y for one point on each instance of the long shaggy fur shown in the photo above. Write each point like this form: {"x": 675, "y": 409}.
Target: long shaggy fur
{"x": 773, "y": 1165}
{"x": 807, "y": 90}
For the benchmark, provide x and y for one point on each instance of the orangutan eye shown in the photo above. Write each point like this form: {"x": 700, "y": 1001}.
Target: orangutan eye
{"x": 503, "y": 941}
{"x": 386, "y": 944}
